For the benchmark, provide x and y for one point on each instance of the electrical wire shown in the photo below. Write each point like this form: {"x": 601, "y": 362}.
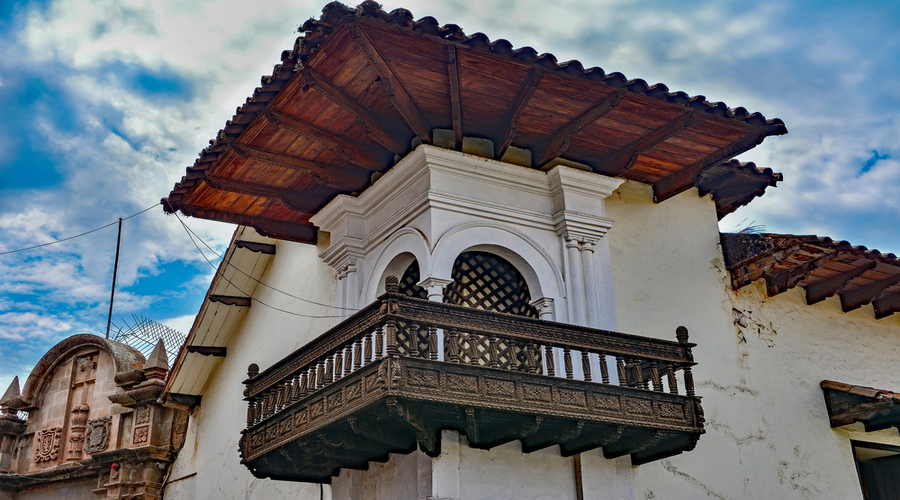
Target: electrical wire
{"x": 79, "y": 235}
{"x": 254, "y": 279}
{"x": 256, "y": 300}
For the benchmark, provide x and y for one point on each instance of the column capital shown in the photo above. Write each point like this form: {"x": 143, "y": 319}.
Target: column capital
{"x": 435, "y": 287}
{"x": 544, "y": 305}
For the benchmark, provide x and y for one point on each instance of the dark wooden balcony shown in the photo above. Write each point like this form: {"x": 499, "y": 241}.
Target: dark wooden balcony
{"x": 390, "y": 378}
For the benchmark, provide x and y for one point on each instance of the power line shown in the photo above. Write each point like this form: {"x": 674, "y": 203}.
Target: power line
{"x": 254, "y": 279}
{"x": 79, "y": 235}
{"x": 256, "y": 300}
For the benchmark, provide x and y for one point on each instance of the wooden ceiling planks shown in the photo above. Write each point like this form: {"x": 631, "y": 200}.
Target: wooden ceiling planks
{"x": 361, "y": 84}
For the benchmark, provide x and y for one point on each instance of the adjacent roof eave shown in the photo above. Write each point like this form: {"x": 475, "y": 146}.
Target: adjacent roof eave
{"x": 821, "y": 266}
{"x": 877, "y": 409}
{"x": 238, "y": 275}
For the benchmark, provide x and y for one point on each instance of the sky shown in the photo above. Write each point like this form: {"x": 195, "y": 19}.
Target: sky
{"x": 105, "y": 102}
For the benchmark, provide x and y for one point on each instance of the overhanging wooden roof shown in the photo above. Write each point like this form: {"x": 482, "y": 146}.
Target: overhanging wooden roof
{"x": 822, "y": 266}
{"x": 360, "y": 85}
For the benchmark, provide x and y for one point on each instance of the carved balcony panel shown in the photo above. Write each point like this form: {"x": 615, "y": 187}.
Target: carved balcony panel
{"x": 390, "y": 378}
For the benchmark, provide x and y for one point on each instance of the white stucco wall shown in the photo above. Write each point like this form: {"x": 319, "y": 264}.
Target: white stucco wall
{"x": 767, "y": 427}
{"x": 264, "y": 337}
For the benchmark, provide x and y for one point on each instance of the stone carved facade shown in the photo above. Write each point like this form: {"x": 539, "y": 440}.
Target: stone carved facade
{"x": 92, "y": 413}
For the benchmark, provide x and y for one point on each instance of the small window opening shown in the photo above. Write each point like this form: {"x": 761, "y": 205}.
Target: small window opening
{"x": 878, "y": 466}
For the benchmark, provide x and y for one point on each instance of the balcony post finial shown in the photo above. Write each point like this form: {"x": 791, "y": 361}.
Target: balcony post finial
{"x": 391, "y": 284}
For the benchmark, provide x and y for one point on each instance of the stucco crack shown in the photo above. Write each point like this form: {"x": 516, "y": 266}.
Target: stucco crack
{"x": 726, "y": 430}
{"x": 733, "y": 389}
{"x": 691, "y": 480}
{"x": 744, "y": 324}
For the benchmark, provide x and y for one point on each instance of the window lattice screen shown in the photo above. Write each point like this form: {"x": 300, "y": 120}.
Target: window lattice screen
{"x": 485, "y": 281}
{"x": 408, "y": 282}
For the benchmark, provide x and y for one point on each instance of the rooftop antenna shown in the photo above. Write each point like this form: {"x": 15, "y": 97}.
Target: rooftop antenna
{"x": 112, "y": 295}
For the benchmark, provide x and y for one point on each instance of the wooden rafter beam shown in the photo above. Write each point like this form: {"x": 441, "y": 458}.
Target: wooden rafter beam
{"x": 507, "y": 131}
{"x": 455, "y": 97}
{"x": 856, "y": 298}
{"x": 821, "y": 290}
{"x": 205, "y": 350}
{"x": 255, "y": 246}
{"x": 373, "y": 126}
{"x": 230, "y": 300}
{"x": 303, "y": 233}
{"x": 302, "y": 203}
{"x": 335, "y": 176}
{"x": 683, "y": 179}
{"x": 622, "y": 160}
{"x": 394, "y": 89}
{"x": 360, "y": 154}
{"x": 785, "y": 280}
{"x": 558, "y": 143}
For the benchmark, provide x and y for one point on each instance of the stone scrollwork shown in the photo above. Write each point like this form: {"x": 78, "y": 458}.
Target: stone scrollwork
{"x": 96, "y": 438}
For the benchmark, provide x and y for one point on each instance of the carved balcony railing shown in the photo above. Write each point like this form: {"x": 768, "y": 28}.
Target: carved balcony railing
{"x": 401, "y": 370}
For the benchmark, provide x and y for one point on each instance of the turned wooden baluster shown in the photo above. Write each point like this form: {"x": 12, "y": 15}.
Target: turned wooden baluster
{"x": 295, "y": 388}
{"x": 567, "y": 359}
{"x": 304, "y": 381}
{"x": 453, "y": 345}
{"x": 495, "y": 352}
{"x": 586, "y": 365}
{"x": 654, "y": 376}
{"x": 328, "y": 371}
{"x": 250, "y": 407}
{"x": 531, "y": 358}
{"x": 620, "y": 369}
{"x": 320, "y": 374}
{"x": 413, "y": 335}
{"x": 367, "y": 347}
{"x": 548, "y": 355}
{"x": 473, "y": 348}
{"x": 604, "y": 370}
{"x": 338, "y": 363}
{"x": 641, "y": 383}
{"x": 681, "y": 333}
{"x": 357, "y": 354}
{"x": 348, "y": 359}
{"x": 379, "y": 343}
{"x": 391, "y": 331}
{"x": 670, "y": 375}
{"x": 311, "y": 387}
{"x": 432, "y": 343}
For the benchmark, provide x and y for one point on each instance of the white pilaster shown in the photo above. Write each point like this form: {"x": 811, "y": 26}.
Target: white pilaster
{"x": 590, "y": 284}
{"x": 576, "y": 279}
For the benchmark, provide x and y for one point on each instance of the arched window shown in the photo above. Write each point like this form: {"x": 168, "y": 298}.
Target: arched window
{"x": 485, "y": 281}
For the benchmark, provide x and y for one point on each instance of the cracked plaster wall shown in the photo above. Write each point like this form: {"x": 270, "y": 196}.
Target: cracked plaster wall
{"x": 263, "y": 337}
{"x": 760, "y": 360}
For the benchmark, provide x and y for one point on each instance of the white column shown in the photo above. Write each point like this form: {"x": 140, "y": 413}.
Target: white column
{"x": 351, "y": 286}
{"x": 435, "y": 288}
{"x": 445, "y": 468}
{"x": 576, "y": 278}
{"x": 590, "y": 284}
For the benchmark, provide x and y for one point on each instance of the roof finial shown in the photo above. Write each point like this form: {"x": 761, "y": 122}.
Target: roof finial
{"x": 157, "y": 365}
{"x": 12, "y": 392}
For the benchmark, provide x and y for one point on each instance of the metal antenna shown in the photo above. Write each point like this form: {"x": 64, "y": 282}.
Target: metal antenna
{"x": 112, "y": 295}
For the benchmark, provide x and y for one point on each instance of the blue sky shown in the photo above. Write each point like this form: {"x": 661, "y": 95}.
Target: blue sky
{"x": 105, "y": 103}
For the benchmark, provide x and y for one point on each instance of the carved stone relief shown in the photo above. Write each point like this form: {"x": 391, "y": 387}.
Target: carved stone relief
{"x": 46, "y": 444}
{"x": 141, "y": 435}
{"x": 97, "y": 436}
{"x": 142, "y": 415}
